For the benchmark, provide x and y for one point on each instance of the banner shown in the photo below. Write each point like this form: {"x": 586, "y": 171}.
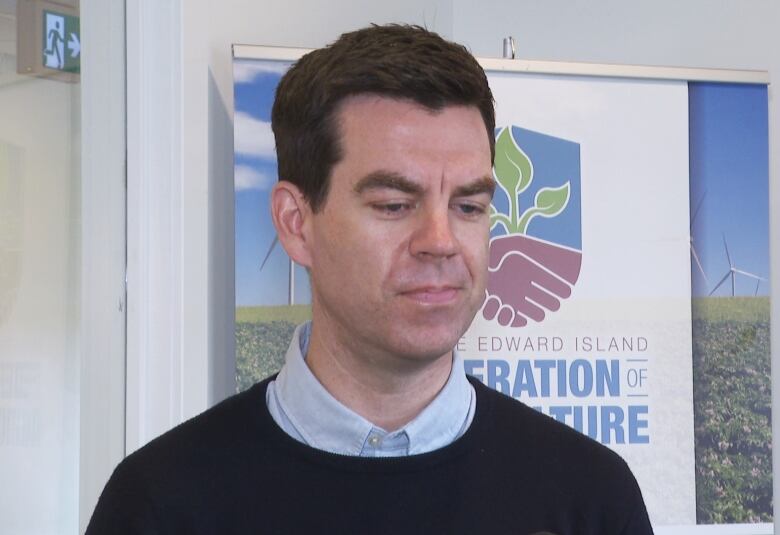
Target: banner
{"x": 588, "y": 315}
{"x": 612, "y": 304}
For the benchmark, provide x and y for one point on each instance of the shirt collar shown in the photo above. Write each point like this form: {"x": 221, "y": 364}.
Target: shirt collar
{"x": 325, "y": 423}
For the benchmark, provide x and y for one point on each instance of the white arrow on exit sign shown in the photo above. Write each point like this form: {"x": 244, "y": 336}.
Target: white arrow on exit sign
{"x": 74, "y": 45}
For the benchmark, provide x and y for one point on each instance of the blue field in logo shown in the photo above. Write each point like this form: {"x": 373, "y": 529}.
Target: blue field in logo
{"x": 555, "y": 162}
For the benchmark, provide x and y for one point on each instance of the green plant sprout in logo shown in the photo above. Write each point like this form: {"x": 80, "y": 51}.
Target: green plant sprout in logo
{"x": 514, "y": 173}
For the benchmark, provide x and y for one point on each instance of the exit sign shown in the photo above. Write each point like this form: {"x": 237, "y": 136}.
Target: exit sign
{"x": 61, "y": 42}
{"x": 48, "y": 36}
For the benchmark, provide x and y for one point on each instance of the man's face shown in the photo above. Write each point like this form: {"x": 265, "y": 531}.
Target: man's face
{"x": 399, "y": 249}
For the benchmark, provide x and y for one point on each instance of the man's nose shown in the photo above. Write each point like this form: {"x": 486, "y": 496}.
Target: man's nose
{"x": 434, "y": 237}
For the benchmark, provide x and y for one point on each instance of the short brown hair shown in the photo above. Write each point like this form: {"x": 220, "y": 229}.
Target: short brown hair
{"x": 398, "y": 61}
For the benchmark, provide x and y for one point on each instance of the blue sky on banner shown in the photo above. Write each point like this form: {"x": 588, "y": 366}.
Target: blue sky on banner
{"x": 255, "y": 175}
{"x": 729, "y": 183}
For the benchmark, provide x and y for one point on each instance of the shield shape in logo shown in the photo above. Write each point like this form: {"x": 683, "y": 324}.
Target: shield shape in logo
{"x": 535, "y": 226}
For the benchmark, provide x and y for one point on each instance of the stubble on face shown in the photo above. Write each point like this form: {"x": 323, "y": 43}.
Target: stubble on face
{"x": 399, "y": 248}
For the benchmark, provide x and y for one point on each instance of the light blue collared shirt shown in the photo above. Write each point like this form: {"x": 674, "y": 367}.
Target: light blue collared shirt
{"x": 307, "y": 412}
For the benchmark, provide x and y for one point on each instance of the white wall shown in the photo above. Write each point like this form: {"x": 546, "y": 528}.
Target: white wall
{"x": 696, "y": 33}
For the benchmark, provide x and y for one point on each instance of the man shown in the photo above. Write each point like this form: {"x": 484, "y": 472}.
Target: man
{"x": 385, "y": 148}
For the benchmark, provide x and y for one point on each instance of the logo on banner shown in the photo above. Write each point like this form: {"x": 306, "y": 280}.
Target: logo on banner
{"x": 535, "y": 225}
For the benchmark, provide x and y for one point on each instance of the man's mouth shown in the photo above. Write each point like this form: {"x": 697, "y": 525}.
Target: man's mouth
{"x": 433, "y": 295}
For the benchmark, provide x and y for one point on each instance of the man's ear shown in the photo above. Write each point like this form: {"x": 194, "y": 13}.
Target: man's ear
{"x": 291, "y": 215}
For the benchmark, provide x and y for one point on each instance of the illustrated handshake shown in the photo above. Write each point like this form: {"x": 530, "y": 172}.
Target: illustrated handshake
{"x": 527, "y": 278}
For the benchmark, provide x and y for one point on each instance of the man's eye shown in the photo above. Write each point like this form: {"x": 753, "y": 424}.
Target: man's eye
{"x": 470, "y": 209}
{"x": 393, "y": 208}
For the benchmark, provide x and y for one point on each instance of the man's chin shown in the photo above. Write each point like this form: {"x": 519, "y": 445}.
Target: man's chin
{"x": 446, "y": 324}
{"x": 427, "y": 344}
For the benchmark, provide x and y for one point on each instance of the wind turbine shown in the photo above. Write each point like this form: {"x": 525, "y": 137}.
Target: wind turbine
{"x": 291, "y": 287}
{"x": 733, "y": 271}
{"x": 690, "y": 235}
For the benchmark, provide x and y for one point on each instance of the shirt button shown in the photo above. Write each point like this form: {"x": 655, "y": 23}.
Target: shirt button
{"x": 374, "y": 441}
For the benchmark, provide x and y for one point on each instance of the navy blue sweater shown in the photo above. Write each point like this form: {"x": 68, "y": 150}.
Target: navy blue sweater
{"x": 233, "y": 470}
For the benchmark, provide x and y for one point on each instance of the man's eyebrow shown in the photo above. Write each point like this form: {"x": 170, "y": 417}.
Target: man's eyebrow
{"x": 392, "y": 180}
{"x": 481, "y": 185}
{"x": 387, "y": 180}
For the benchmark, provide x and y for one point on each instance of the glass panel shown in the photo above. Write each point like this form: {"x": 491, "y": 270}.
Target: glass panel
{"x": 40, "y": 249}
